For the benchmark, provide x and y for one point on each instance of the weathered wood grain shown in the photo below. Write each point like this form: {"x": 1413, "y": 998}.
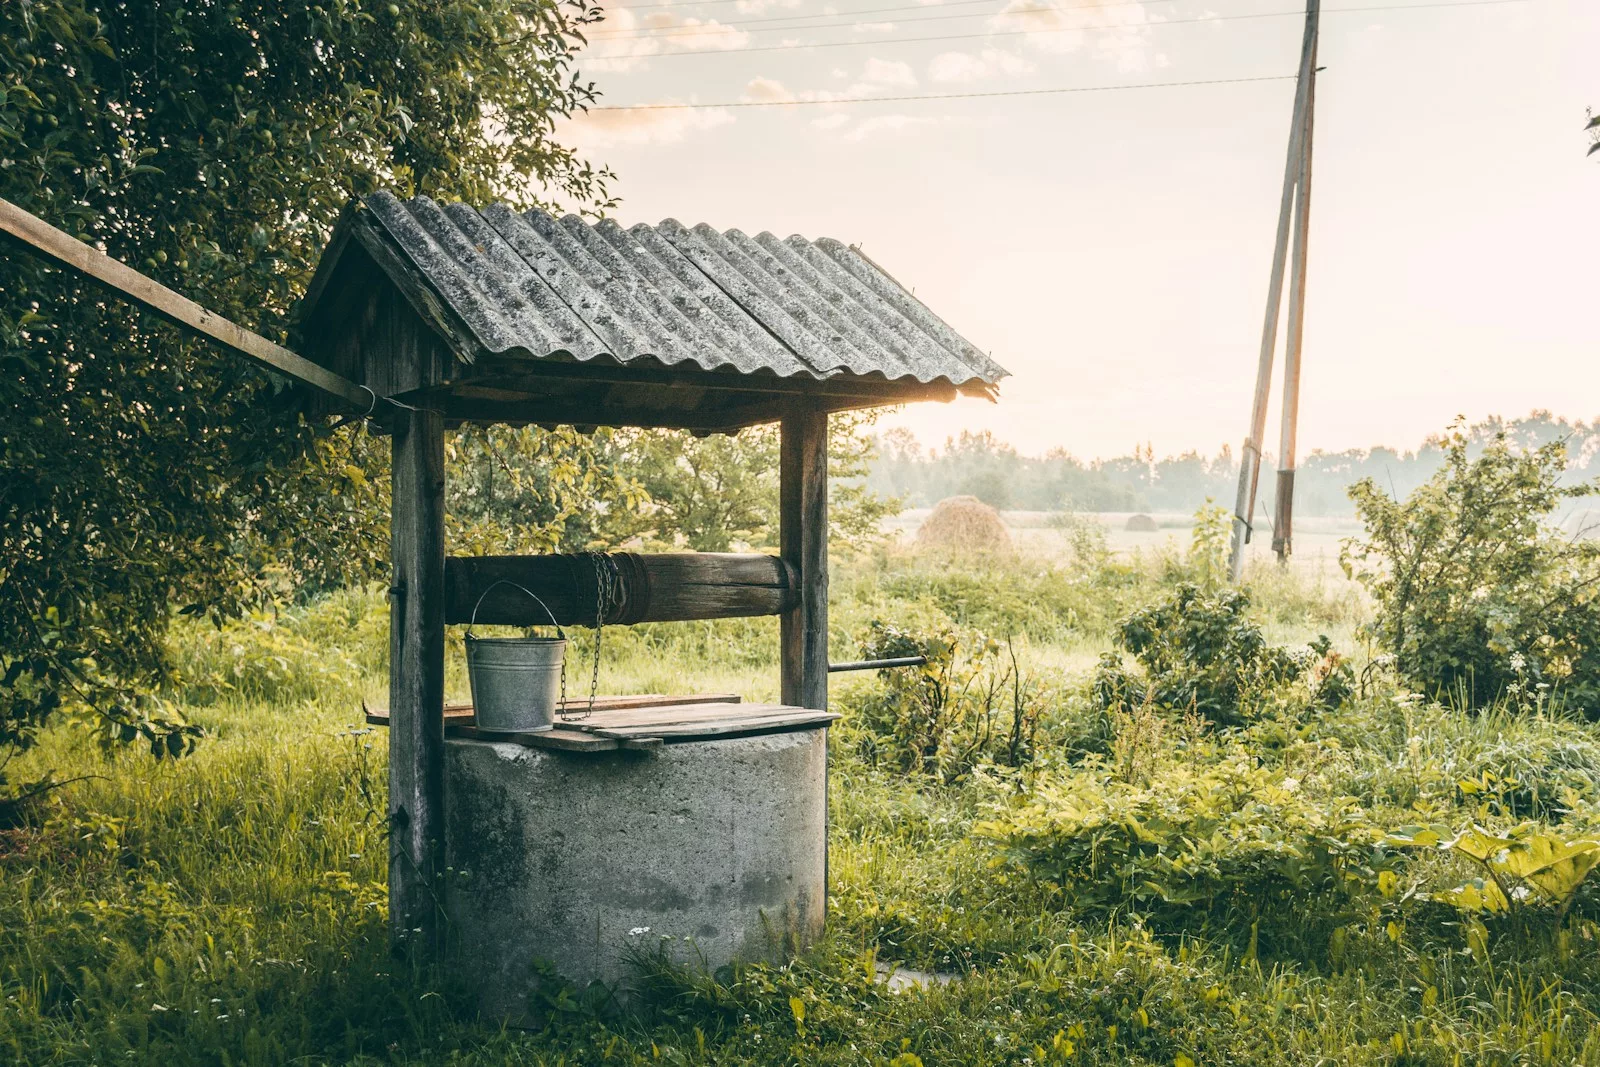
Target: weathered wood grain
{"x": 416, "y": 681}
{"x": 664, "y": 587}
{"x": 457, "y": 713}
{"x": 803, "y": 537}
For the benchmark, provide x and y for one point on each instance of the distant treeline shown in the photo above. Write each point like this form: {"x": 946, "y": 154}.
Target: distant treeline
{"x": 976, "y": 464}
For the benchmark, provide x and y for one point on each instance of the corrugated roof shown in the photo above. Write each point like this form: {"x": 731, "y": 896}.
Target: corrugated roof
{"x": 530, "y": 283}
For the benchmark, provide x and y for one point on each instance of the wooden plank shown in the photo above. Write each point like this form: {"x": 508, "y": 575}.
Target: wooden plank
{"x": 679, "y": 713}
{"x": 558, "y": 738}
{"x": 724, "y": 727}
{"x": 463, "y": 713}
{"x": 416, "y": 681}
{"x": 659, "y": 587}
{"x": 535, "y": 377}
{"x": 803, "y": 536}
{"x": 61, "y": 248}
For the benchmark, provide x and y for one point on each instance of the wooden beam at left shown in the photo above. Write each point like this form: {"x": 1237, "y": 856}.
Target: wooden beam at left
{"x": 416, "y": 682}
{"x": 41, "y": 238}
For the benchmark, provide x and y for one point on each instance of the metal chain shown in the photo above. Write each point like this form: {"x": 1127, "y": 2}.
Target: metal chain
{"x": 607, "y": 593}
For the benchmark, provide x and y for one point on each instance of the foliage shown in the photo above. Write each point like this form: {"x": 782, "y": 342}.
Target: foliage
{"x": 1475, "y": 592}
{"x": 980, "y": 465}
{"x": 231, "y": 908}
{"x": 1202, "y": 652}
{"x": 1206, "y": 850}
{"x": 1209, "y": 545}
{"x": 710, "y": 493}
{"x": 526, "y": 490}
{"x": 212, "y": 145}
{"x": 968, "y": 703}
{"x": 1527, "y": 865}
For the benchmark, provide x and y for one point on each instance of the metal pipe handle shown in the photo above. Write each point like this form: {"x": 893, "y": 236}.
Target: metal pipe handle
{"x": 492, "y": 585}
{"x": 877, "y": 664}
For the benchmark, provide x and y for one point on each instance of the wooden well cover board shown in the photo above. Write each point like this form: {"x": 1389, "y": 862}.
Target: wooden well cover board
{"x": 640, "y": 722}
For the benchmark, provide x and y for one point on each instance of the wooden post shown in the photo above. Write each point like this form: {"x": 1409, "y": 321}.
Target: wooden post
{"x": 803, "y": 543}
{"x": 43, "y": 239}
{"x": 1283, "y": 518}
{"x": 416, "y": 681}
{"x": 1250, "y": 455}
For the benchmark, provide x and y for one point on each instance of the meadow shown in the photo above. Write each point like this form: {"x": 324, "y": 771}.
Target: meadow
{"x": 1092, "y": 880}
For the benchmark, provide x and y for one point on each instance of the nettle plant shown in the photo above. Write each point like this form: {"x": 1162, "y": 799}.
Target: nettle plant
{"x": 1199, "y": 652}
{"x": 969, "y": 703}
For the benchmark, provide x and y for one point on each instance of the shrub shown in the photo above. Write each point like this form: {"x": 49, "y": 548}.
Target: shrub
{"x": 1199, "y": 848}
{"x": 1199, "y": 651}
{"x": 966, "y": 525}
{"x": 1141, "y": 523}
{"x": 969, "y": 703}
{"x": 1476, "y": 592}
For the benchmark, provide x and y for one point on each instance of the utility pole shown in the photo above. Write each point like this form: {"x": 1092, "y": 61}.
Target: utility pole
{"x": 1296, "y": 167}
{"x": 1283, "y": 516}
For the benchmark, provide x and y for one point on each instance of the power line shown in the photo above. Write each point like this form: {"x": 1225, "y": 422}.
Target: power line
{"x": 709, "y": 3}
{"x": 671, "y": 31}
{"x": 680, "y": 31}
{"x": 874, "y": 41}
{"x": 948, "y": 96}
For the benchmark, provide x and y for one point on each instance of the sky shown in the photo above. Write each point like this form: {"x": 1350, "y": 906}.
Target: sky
{"x": 1111, "y": 249}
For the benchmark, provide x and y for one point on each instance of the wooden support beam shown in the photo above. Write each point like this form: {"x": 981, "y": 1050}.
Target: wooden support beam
{"x": 416, "y": 681}
{"x": 803, "y": 536}
{"x": 664, "y": 587}
{"x": 43, "y": 239}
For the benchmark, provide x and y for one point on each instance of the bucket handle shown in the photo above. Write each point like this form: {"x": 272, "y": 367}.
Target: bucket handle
{"x": 492, "y": 586}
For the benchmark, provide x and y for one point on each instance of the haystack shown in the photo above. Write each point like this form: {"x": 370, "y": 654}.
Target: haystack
{"x": 964, "y": 525}
{"x": 1141, "y": 523}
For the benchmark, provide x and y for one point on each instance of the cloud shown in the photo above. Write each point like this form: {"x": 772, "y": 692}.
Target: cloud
{"x": 602, "y": 129}
{"x": 889, "y": 124}
{"x": 1118, "y": 33}
{"x": 873, "y": 27}
{"x": 950, "y": 67}
{"x": 766, "y": 91}
{"x": 888, "y": 72}
{"x": 831, "y": 122}
{"x": 618, "y": 45}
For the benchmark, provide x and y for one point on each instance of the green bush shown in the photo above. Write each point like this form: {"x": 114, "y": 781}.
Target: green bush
{"x": 1206, "y": 849}
{"x": 968, "y": 704}
{"x": 1476, "y": 592}
{"x": 1200, "y": 652}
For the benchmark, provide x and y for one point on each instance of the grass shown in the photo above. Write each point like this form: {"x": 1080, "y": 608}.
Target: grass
{"x": 230, "y": 908}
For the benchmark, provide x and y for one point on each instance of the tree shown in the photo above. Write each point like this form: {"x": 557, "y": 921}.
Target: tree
{"x": 1477, "y": 593}
{"x": 707, "y": 493}
{"x": 212, "y": 144}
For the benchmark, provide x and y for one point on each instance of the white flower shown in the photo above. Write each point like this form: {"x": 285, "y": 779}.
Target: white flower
{"x": 638, "y": 930}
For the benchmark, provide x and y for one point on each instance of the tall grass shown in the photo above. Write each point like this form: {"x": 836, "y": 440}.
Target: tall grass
{"x": 230, "y": 908}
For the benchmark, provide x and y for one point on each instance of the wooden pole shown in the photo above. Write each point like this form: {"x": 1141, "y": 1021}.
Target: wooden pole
{"x": 416, "y": 681}
{"x": 1250, "y": 453}
{"x": 43, "y": 239}
{"x": 803, "y": 543}
{"x": 1283, "y": 520}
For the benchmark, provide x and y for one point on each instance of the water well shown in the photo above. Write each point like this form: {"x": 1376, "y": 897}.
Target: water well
{"x": 702, "y": 821}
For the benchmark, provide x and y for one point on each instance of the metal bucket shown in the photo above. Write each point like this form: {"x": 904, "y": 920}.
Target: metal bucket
{"x": 516, "y": 681}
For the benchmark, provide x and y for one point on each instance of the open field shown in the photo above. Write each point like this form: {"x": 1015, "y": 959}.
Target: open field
{"x": 1316, "y": 540}
{"x": 230, "y": 908}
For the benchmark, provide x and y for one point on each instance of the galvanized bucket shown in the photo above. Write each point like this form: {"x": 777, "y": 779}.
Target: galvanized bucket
{"x": 516, "y": 681}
